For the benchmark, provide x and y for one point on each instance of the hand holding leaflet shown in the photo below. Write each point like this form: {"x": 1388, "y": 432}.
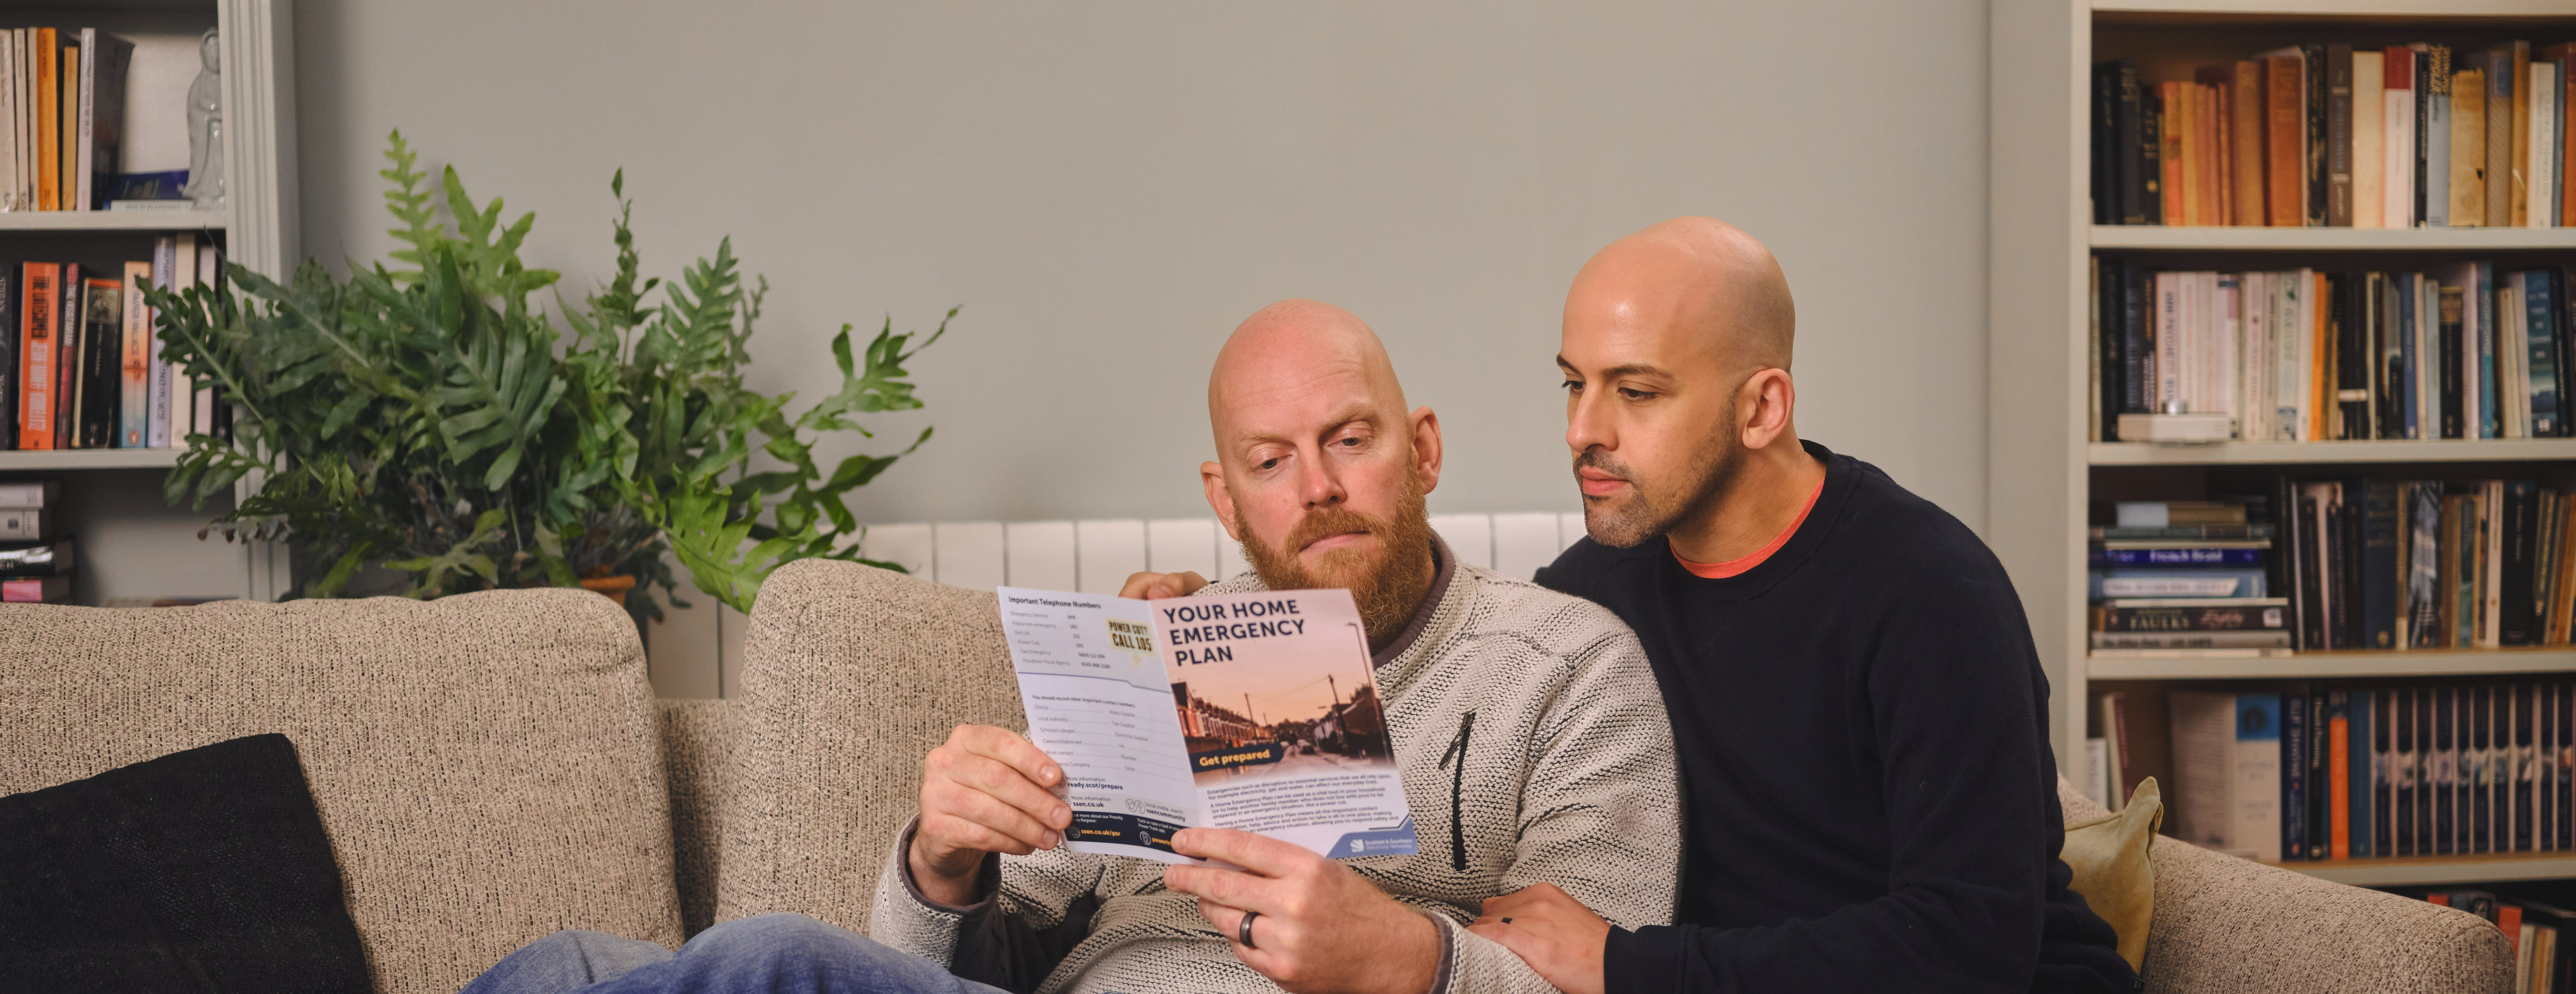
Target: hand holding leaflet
{"x": 1255, "y": 711}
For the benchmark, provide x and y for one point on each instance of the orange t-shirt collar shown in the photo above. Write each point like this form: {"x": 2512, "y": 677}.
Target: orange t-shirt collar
{"x": 1734, "y": 567}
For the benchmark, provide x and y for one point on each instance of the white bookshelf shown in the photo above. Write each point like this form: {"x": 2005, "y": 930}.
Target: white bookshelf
{"x": 131, "y": 543}
{"x": 2042, "y": 469}
{"x": 154, "y": 221}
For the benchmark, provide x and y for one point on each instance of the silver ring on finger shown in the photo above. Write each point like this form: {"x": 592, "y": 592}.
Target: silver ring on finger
{"x": 1243, "y": 932}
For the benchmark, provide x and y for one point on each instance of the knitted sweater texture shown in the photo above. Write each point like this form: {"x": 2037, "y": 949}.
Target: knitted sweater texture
{"x": 1567, "y": 778}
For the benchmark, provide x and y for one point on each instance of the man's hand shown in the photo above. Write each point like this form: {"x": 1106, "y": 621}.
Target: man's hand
{"x": 1156, "y": 586}
{"x": 1552, "y": 932}
{"x": 1322, "y": 929}
{"x": 987, "y": 790}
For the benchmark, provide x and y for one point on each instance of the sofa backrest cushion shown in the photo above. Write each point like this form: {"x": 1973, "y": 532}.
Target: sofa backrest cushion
{"x": 487, "y": 765}
{"x": 851, "y": 674}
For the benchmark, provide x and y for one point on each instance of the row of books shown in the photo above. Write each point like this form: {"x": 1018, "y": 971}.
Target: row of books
{"x": 35, "y": 560}
{"x": 2471, "y": 350}
{"x": 2532, "y": 930}
{"x": 2318, "y": 772}
{"x": 2334, "y": 135}
{"x": 62, "y": 117}
{"x": 84, "y": 369}
{"x": 2184, "y": 575}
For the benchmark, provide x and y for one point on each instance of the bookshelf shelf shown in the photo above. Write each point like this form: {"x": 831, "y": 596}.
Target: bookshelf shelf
{"x": 113, "y": 220}
{"x": 2405, "y": 871}
{"x": 72, "y": 459}
{"x": 2215, "y": 239}
{"x": 2332, "y": 665}
{"x": 2278, "y": 453}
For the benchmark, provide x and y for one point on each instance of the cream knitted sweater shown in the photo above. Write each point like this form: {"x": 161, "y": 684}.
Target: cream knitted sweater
{"x": 1567, "y": 778}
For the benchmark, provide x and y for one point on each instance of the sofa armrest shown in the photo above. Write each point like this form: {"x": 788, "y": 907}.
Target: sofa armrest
{"x": 697, "y": 737}
{"x": 2225, "y": 925}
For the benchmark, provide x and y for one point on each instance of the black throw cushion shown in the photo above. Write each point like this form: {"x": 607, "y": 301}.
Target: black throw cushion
{"x": 203, "y": 870}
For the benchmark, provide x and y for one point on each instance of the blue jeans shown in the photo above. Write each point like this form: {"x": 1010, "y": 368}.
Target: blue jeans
{"x": 770, "y": 954}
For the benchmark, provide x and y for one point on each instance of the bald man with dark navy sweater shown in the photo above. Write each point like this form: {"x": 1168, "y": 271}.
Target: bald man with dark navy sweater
{"x": 1870, "y": 798}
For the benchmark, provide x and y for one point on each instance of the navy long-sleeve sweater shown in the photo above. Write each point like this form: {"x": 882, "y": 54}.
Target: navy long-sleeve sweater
{"x": 1870, "y": 796}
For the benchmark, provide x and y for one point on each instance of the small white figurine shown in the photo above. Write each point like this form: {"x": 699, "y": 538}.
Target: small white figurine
{"x": 206, "y": 128}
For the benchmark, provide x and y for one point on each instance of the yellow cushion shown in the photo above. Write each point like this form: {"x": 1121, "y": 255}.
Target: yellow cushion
{"x": 2109, "y": 856}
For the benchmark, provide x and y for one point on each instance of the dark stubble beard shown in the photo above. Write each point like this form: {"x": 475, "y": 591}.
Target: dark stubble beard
{"x": 1652, "y": 507}
{"x": 1388, "y": 590}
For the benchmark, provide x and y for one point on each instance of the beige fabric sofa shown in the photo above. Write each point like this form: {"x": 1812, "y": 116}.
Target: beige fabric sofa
{"x": 492, "y": 767}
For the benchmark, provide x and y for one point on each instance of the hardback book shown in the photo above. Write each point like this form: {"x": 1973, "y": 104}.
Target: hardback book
{"x": 36, "y": 355}
{"x": 66, "y": 104}
{"x": 2500, "y": 104}
{"x": 2540, "y": 351}
{"x": 2517, "y": 73}
{"x": 2433, "y": 164}
{"x": 2517, "y": 542}
{"x": 2319, "y": 139}
{"x": 2381, "y": 524}
{"x": 2246, "y": 125}
{"x": 2444, "y": 766}
{"x": 2540, "y": 147}
{"x": 2163, "y": 513}
{"x": 67, "y": 329}
{"x": 104, "y": 58}
{"x": 2374, "y": 820}
{"x": 2151, "y": 151}
{"x": 2294, "y": 777}
{"x": 8, "y": 346}
{"x": 2160, "y": 582}
{"x": 2227, "y": 764}
{"x": 2193, "y": 614}
{"x": 2563, "y": 766}
{"x": 2129, "y": 159}
{"x": 102, "y": 353}
{"x": 2339, "y": 135}
{"x": 37, "y": 558}
{"x": 2177, "y": 428}
{"x": 2369, "y": 153}
{"x": 182, "y": 390}
{"x": 135, "y": 424}
{"x": 2285, "y": 137}
{"x": 2320, "y": 799}
{"x": 2198, "y": 554}
{"x": 49, "y": 125}
{"x": 2097, "y": 771}
{"x": 2105, "y": 149}
{"x": 10, "y": 162}
{"x": 27, "y": 524}
{"x": 2277, "y": 638}
{"x": 2403, "y": 770}
{"x": 24, "y": 495}
{"x": 2117, "y": 756}
{"x": 2483, "y": 768}
{"x": 36, "y": 590}
{"x": 2173, "y": 130}
{"x": 204, "y": 420}
{"x": 2188, "y": 533}
{"x": 2526, "y": 767}
{"x": 165, "y": 263}
{"x": 2338, "y": 775}
{"x": 2398, "y": 136}
{"x": 2468, "y": 203}
{"x": 2424, "y": 564}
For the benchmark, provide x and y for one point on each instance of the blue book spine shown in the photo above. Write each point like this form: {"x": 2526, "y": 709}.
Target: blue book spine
{"x": 2177, "y": 557}
{"x": 2294, "y": 777}
{"x": 2489, "y": 426}
{"x": 2541, "y": 337}
{"x": 2359, "y": 772}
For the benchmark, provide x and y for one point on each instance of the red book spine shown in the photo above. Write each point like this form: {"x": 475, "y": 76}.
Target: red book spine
{"x": 36, "y": 356}
{"x": 2339, "y": 786}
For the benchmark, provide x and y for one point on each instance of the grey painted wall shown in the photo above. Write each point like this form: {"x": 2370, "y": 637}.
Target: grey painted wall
{"x": 1109, "y": 188}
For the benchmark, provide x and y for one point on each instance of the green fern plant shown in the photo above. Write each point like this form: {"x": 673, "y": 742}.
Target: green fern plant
{"x": 429, "y": 417}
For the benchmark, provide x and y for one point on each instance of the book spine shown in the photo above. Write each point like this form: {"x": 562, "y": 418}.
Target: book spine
{"x": 2403, "y": 771}
{"x": 165, "y": 261}
{"x": 2468, "y": 202}
{"x": 2151, "y": 152}
{"x": 2318, "y": 140}
{"x": 2383, "y": 817}
{"x": 101, "y": 365}
{"x": 2520, "y": 522}
{"x": 2433, "y": 146}
{"x": 2397, "y": 138}
{"x": 84, "y": 150}
{"x": 36, "y": 357}
{"x": 9, "y": 293}
{"x": 2525, "y": 767}
{"x": 2563, "y": 815}
{"x": 2338, "y": 775}
{"x": 2540, "y": 342}
{"x": 49, "y": 125}
{"x": 134, "y": 420}
{"x": 2380, "y": 526}
{"x": 2294, "y": 777}
{"x": 2245, "y": 145}
{"x": 2445, "y": 769}
{"x": 2178, "y": 557}
{"x": 2482, "y": 308}
{"x": 2136, "y": 351}
{"x": 2500, "y": 167}
{"x": 2339, "y": 135}
{"x": 67, "y": 326}
{"x": 2285, "y": 186}
{"x": 2482, "y": 770}
{"x": 2131, "y": 159}
{"x": 2173, "y": 124}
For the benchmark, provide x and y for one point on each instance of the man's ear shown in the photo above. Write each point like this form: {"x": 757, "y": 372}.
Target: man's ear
{"x": 1426, "y": 447}
{"x": 1765, "y": 405}
{"x": 1220, "y": 500}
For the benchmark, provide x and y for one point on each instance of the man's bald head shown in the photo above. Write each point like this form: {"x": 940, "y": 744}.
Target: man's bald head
{"x": 1698, "y": 275}
{"x": 1297, "y": 345}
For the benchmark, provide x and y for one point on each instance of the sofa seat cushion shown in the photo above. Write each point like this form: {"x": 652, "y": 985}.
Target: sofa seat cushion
{"x": 204, "y": 870}
{"x": 486, "y": 765}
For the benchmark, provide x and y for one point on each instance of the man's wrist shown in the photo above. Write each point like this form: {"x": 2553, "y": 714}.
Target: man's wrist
{"x": 1424, "y": 953}
{"x": 955, "y": 891}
